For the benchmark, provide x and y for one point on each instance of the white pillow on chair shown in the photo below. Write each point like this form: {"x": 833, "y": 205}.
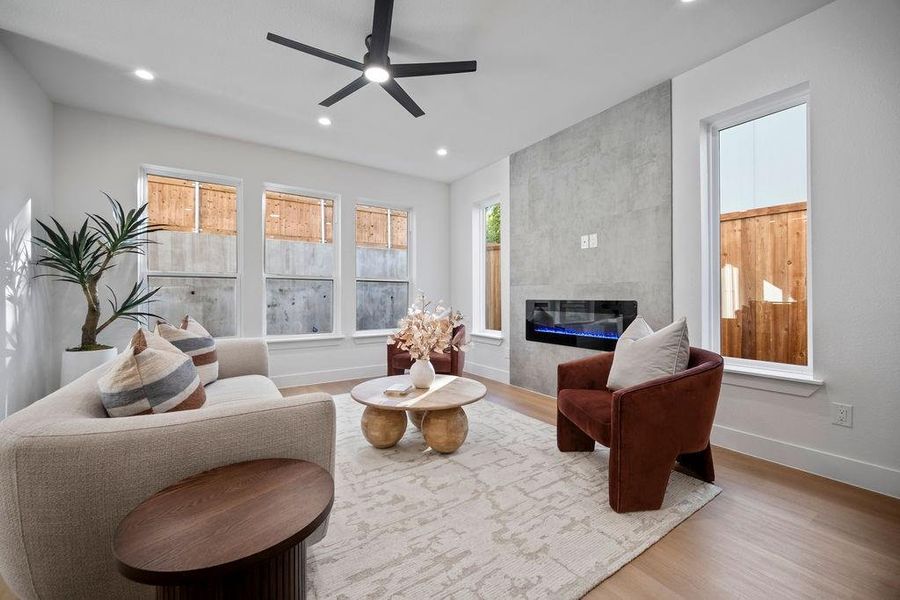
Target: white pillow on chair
{"x": 643, "y": 355}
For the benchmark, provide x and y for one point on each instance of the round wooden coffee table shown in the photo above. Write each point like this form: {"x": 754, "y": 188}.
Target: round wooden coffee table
{"x": 233, "y": 532}
{"x": 437, "y": 411}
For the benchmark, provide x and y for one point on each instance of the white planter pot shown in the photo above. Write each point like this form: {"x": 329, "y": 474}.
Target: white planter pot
{"x": 76, "y": 364}
{"x": 422, "y": 373}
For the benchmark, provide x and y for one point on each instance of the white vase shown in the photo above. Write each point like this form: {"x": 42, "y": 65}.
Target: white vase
{"x": 422, "y": 373}
{"x": 76, "y": 364}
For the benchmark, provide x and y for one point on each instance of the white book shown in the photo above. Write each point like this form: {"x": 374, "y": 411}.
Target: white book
{"x": 399, "y": 389}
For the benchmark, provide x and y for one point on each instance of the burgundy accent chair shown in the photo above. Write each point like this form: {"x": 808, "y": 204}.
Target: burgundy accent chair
{"x": 647, "y": 427}
{"x": 451, "y": 362}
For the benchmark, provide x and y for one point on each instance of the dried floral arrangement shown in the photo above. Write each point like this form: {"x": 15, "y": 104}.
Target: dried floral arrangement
{"x": 425, "y": 330}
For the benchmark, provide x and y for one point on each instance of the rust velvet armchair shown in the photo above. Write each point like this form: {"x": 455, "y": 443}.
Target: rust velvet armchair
{"x": 451, "y": 362}
{"x": 647, "y": 427}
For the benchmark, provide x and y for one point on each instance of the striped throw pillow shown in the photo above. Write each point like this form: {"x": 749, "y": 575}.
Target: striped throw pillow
{"x": 151, "y": 340}
{"x": 144, "y": 380}
{"x": 192, "y": 339}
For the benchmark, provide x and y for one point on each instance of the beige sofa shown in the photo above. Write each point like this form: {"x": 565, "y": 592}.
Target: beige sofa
{"x": 69, "y": 474}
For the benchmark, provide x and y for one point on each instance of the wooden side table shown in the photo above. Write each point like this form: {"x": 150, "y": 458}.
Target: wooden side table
{"x": 233, "y": 532}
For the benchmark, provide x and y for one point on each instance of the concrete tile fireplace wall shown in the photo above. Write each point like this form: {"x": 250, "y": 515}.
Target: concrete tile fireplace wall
{"x": 611, "y": 175}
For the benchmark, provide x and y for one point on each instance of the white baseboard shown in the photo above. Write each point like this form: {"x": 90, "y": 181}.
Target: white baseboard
{"x": 876, "y": 478}
{"x": 486, "y": 371}
{"x": 314, "y": 377}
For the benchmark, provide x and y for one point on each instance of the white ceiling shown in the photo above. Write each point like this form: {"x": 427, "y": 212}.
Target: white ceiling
{"x": 542, "y": 66}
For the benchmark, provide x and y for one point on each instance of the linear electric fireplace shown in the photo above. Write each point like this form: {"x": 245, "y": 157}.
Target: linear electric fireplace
{"x": 593, "y": 324}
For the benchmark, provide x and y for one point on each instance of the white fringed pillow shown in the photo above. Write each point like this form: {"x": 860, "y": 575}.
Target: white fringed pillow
{"x": 643, "y": 355}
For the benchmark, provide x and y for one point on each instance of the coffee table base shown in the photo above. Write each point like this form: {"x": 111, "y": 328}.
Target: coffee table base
{"x": 282, "y": 577}
{"x": 415, "y": 417}
{"x": 445, "y": 430}
{"x": 383, "y": 428}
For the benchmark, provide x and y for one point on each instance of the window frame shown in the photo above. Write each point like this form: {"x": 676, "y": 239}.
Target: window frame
{"x": 336, "y": 267}
{"x": 710, "y": 224}
{"x": 144, "y": 272}
{"x": 479, "y": 254}
{"x": 410, "y": 261}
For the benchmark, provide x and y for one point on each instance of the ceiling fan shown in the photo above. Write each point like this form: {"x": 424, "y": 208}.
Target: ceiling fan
{"x": 376, "y": 64}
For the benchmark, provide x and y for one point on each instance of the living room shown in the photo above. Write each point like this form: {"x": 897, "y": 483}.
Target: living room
{"x": 603, "y": 310}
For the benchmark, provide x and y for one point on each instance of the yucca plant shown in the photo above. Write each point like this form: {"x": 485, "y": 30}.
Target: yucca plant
{"x": 90, "y": 251}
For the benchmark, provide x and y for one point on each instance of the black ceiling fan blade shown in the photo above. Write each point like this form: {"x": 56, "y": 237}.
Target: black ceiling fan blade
{"x": 335, "y": 58}
{"x": 435, "y": 68}
{"x": 393, "y": 88}
{"x": 381, "y": 31}
{"x": 345, "y": 91}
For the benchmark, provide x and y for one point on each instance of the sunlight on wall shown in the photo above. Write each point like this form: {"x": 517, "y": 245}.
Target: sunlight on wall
{"x": 16, "y": 262}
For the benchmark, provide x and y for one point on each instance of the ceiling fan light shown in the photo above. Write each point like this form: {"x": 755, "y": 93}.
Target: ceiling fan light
{"x": 377, "y": 74}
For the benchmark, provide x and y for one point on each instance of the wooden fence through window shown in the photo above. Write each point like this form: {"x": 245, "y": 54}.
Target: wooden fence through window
{"x": 174, "y": 203}
{"x": 763, "y": 284}
{"x": 492, "y": 287}
{"x": 372, "y": 227}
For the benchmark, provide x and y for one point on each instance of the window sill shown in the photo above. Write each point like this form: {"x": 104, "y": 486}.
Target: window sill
{"x": 287, "y": 342}
{"x": 493, "y": 338}
{"x": 376, "y": 336}
{"x": 795, "y": 384}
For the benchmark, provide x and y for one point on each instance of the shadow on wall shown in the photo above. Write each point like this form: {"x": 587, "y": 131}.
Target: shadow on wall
{"x": 26, "y": 373}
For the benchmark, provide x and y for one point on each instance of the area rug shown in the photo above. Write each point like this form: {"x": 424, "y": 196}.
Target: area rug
{"x": 505, "y": 516}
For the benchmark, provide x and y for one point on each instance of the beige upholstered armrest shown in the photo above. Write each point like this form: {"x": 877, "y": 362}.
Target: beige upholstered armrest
{"x": 67, "y": 483}
{"x": 242, "y": 356}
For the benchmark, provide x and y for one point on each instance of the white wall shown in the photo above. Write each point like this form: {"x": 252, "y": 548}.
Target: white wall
{"x": 849, "y": 53}
{"x": 94, "y": 151}
{"x": 488, "y": 357}
{"x": 26, "y": 129}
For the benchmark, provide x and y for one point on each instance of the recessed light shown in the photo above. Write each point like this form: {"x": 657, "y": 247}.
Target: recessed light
{"x": 441, "y": 152}
{"x": 686, "y": 1}
{"x": 324, "y": 121}
{"x": 144, "y": 74}
{"x": 377, "y": 74}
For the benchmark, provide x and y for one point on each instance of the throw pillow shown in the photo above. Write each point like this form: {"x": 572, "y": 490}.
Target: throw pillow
{"x": 151, "y": 340}
{"x": 642, "y": 354}
{"x": 144, "y": 380}
{"x": 192, "y": 339}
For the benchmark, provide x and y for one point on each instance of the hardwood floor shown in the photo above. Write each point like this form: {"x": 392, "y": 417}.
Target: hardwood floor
{"x": 773, "y": 533}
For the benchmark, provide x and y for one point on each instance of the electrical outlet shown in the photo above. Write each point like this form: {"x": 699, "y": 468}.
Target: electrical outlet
{"x": 842, "y": 414}
{"x": 593, "y": 240}
{"x": 584, "y": 242}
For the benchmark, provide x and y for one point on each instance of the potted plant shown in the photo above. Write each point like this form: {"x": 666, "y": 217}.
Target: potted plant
{"x": 82, "y": 258}
{"x": 423, "y": 331}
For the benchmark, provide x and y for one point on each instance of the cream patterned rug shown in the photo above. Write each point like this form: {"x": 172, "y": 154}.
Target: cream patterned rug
{"x": 506, "y": 516}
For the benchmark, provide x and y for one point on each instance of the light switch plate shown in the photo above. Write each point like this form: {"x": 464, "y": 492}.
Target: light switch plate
{"x": 584, "y": 242}
{"x": 593, "y": 240}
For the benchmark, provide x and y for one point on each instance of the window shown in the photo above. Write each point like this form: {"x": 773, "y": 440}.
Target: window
{"x": 759, "y": 237}
{"x": 487, "y": 267}
{"x": 194, "y": 260}
{"x": 382, "y": 267}
{"x": 299, "y": 263}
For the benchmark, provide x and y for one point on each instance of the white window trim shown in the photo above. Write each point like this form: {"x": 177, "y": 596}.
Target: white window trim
{"x": 307, "y": 338}
{"x": 143, "y": 269}
{"x": 364, "y": 334}
{"x": 710, "y": 275}
{"x": 479, "y": 226}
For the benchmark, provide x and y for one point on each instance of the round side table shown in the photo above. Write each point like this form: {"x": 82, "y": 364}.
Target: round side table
{"x": 237, "y": 531}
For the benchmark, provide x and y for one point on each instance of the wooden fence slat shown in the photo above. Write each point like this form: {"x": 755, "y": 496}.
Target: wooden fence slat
{"x": 492, "y": 311}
